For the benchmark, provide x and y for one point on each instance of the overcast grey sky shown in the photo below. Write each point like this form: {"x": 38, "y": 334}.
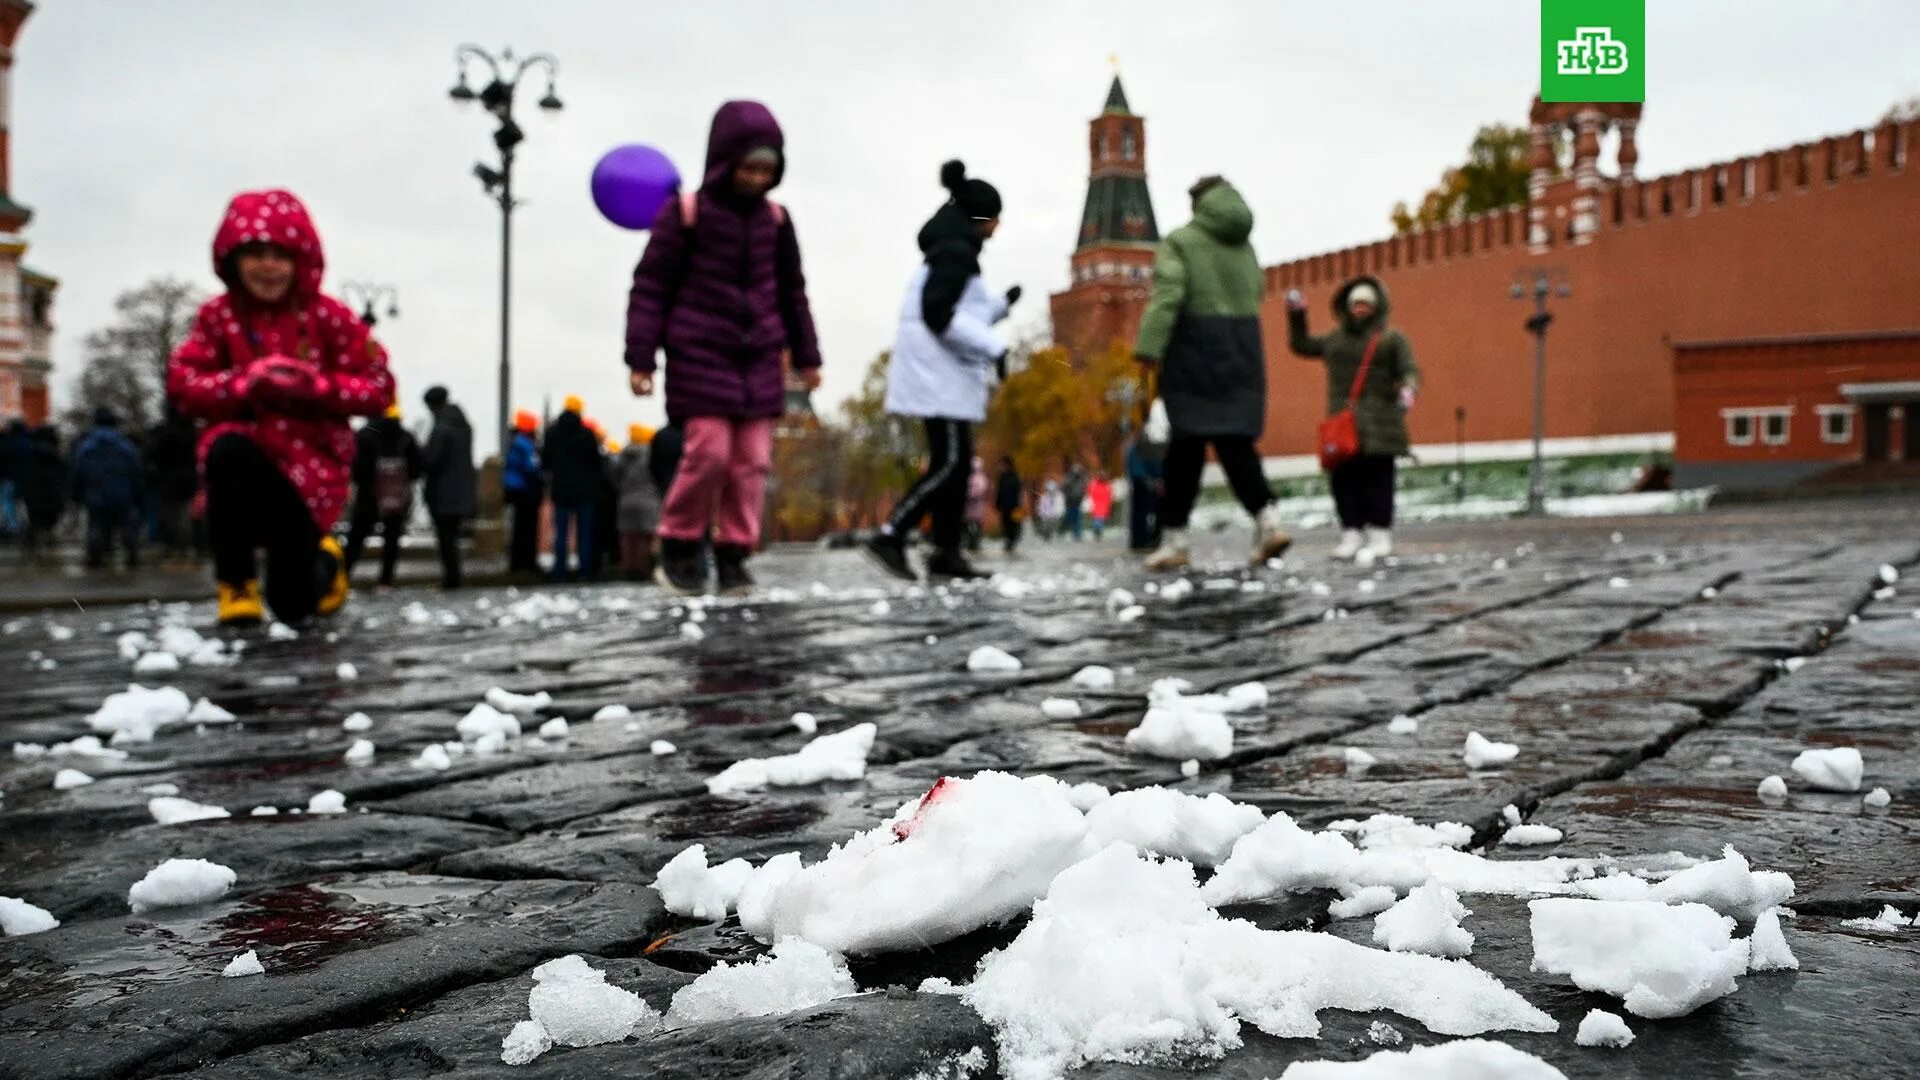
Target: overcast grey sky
{"x": 133, "y": 123}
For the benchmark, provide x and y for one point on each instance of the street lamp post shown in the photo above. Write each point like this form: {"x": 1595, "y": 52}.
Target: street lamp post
{"x": 368, "y": 296}
{"x": 1539, "y": 284}
{"x": 504, "y": 72}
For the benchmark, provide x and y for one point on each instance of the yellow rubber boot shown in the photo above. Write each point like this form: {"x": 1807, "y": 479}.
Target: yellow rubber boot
{"x": 240, "y": 604}
{"x": 335, "y": 596}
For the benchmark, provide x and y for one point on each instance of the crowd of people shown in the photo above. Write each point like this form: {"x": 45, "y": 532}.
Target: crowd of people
{"x": 130, "y": 491}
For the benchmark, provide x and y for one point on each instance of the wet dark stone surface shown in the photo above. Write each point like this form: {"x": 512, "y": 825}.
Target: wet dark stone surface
{"x": 398, "y": 941}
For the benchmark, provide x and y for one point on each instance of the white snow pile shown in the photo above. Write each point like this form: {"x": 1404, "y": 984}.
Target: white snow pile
{"x": 485, "y": 722}
{"x": 1878, "y": 799}
{"x": 1362, "y": 902}
{"x": 168, "y": 810}
{"x": 178, "y": 882}
{"x": 1463, "y": 1059}
{"x": 1427, "y": 921}
{"x": 1661, "y": 960}
{"x": 518, "y": 704}
{"x": 360, "y": 753}
{"x": 661, "y": 748}
{"x": 1483, "y": 753}
{"x": 1094, "y": 677}
{"x": 1157, "y": 819}
{"x": 1728, "y": 885}
{"x": 327, "y": 802}
{"x": 17, "y": 917}
{"x": 1773, "y": 789}
{"x": 1889, "y": 919}
{"x": 1358, "y": 760}
{"x": 1532, "y": 835}
{"x": 346, "y": 672}
{"x": 206, "y": 712}
{"x": 1830, "y": 770}
{"x": 137, "y": 713}
{"x": 612, "y": 712}
{"x": 1602, "y": 1028}
{"x": 357, "y": 724}
{"x": 988, "y": 659}
{"x": 1059, "y": 708}
{"x": 692, "y": 631}
{"x": 798, "y": 975}
{"x": 556, "y": 729}
{"x": 247, "y": 963}
{"x": 1888, "y": 574}
{"x": 689, "y": 887}
{"x": 573, "y": 1005}
{"x": 1767, "y": 949}
{"x": 805, "y": 723}
{"x": 1179, "y": 726}
{"x": 158, "y": 663}
{"x": 68, "y": 779}
{"x": 1124, "y": 961}
{"x": 839, "y": 756}
{"x": 1399, "y": 831}
{"x": 968, "y": 853}
{"x": 434, "y": 757}
{"x": 171, "y": 646}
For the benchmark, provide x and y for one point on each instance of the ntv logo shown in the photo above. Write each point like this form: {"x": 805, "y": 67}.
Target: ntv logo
{"x": 1592, "y": 51}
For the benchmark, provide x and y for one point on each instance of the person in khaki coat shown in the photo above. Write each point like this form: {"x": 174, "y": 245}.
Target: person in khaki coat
{"x": 1202, "y": 330}
{"x": 1363, "y": 485}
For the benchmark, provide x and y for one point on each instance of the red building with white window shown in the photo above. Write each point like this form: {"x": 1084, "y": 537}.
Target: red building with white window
{"x": 26, "y": 297}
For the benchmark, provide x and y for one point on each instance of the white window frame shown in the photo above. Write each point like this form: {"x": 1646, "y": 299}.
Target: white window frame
{"x": 1827, "y": 412}
{"x": 1785, "y": 416}
{"x": 1734, "y": 416}
{"x": 1757, "y": 418}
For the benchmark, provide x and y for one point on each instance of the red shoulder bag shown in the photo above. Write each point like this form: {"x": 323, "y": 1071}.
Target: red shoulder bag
{"x": 1340, "y": 433}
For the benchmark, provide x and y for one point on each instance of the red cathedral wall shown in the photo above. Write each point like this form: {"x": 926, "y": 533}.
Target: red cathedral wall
{"x": 1824, "y": 242}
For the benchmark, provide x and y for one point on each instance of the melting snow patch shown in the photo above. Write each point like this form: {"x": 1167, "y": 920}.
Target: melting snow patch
{"x": 1482, "y": 753}
{"x": 136, "y": 713}
{"x": 1358, "y": 760}
{"x": 1602, "y": 1028}
{"x": 1190, "y": 768}
{"x": 1427, "y": 921}
{"x": 484, "y": 720}
{"x": 1176, "y": 590}
{"x": 171, "y": 811}
{"x": 68, "y": 779}
{"x": 1877, "y": 798}
{"x": 1465, "y": 1059}
{"x": 692, "y": 631}
{"x": 17, "y": 917}
{"x": 1181, "y": 730}
{"x": 1058, "y": 708}
{"x": 264, "y": 811}
{"x": 576, "y": 1006}
{"x": 1888, "y": 575}
{"x": 1888, "y": 920}
{"x": 527, "y": 1040}
{"x": 160, "y": 789}
{"x": 1767, "y": 949}
{"x": 1661, "y": 960}
{"x": 1531, "y": 835}
{"x": 247, "y": 963}
{"x": 689, "y": 887}
{"x": 986, "y": 658}
{"x": 178, "y": 882}
{"x": 1830, "y": 770}
{"x": 1728, "y": 885}
{"x": 840, "y": 756}
{"x": 1618, "y": 583}
{"x": 798, "y": 975}
{"x": 346, "y": 672}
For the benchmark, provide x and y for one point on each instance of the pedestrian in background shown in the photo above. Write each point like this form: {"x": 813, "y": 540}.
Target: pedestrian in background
{"x": 1201, "y": 330}
{"x": 1009, "y": 498}
{"x": 722, "y": 290}
{"x": 1074, "y": 490}
{"x": 574, "y": 475}
{"x": 525, "y": 488}
{"x": 1144, "y": 484}
{"x": 172, "y": 480}
{"x": 1099, "y": 504}
{"x": 452, "y": 489}
{"x": 386, "y": 463}
{"x": 16, "y": 450}
{"x": 639, "y": 512}
{"x": 1052, "y": 510}
{"x": 43, "y": 491}
{"x": 1371, "y": 370}
{"x": 979, "y": 492}
{"x": 109, "y": 481}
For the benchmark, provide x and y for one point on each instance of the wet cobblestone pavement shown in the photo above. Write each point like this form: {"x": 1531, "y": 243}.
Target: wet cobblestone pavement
{"x": 1650, "y": 682}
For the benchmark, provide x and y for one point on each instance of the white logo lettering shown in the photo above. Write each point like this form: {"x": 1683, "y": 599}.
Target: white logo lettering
{"x": 1592, "y": 51}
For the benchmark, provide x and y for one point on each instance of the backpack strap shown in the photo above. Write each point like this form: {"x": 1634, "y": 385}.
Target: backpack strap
{"x": 1366, "y": 364}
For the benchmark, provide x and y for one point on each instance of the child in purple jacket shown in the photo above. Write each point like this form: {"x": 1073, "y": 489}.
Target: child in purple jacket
{"x": 720, "y": 288}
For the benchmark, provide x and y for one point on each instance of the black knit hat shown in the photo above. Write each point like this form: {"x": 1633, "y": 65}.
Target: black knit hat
{"x": 977, "y": 197}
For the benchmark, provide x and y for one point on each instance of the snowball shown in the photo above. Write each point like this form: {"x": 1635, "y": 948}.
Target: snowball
{"x": 1057, "y": 708}
{"x": 1370, "y": 900}
{"x": 157, "y": 663}
{"x": 247, "y": 963}
{"x": 1888, "y": 575}
{"x": 346, "y": 672}
{"x": 1173, "y": 823}
{"x": 1602, "y": 1028}
{"x": 555, "y": 729}
{"x": 527, "y": 1040}
{"x": 1482, "y": 753}
{"x": 360, "y": 753}
{"x": 1728, "y": 885}
{"x": 1773, "y": 788}
{"x": 661, "y": 748}
{"x": 327, "y": 802}
{"x": 805, "y": 723}
{"x": 1889, "y": 919}
{"x": 178, "y": 882}
{"x": 1180, "y": 727}
{"x": 518, "y": 704}
{"x": 1661, "y": 960}
{"x": 576, "y": 1006}
{"x": 17, "y": 917}
{"x": 692, "y": 632}
{"x": 1402, "y": 725}
{"x": 1190, "y": 768}
{"x": 612, "y": 712}
{"x": 1465, "y": 1059}
{"x": 1427, "y": 921}
{"x": 1094, "y": 677}
{"x": 986, "y": 658}
{"x": 690, "y": 888}
{"x": 1877, "y": 798}
{"x": 1767, "y": 948}
{"x": 433, "y": 757}
{"x": 171, "y": 811}
{"x": 798, "y": 975}
{"x": 839, "y": 756}
{"x": 484, "y": 720}
{"x": 1830, "y": 770}
{"x": 968, "y": 853}
{"x": 67, "y": 779}
{"x": 1357, "y": 758}
{"x": 1530, "y": 835}
{"x": 357, "y": 723}
{"x": 136, "y": 713}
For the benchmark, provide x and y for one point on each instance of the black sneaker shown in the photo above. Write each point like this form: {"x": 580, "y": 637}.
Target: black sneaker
{"x": 889, "y": 554}
{"x": 951, "y": 564}
{"x": 682, "y": 569}
{"x": 730, "y": 570}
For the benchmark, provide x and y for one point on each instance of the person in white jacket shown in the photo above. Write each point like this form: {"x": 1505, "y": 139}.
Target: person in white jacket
{"x": 944, "y": 359}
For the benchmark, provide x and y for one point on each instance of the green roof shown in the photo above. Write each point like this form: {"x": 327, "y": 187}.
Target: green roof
{"x": 1117, "y": 99}
{"x": 1119, "y": 211}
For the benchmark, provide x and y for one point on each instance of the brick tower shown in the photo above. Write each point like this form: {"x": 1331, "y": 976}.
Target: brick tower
{"x": 1112, "y": 263}
{"x": 26, "y": 297}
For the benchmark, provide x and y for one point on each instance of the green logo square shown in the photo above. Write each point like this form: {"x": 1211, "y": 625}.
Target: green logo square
{"x": 1593, "y": 50}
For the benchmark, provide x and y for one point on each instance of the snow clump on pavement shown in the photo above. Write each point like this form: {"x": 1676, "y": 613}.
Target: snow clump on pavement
{"x": 1602, "y": 1028}
{"x": 1465, "y": 1059}
{"x": 1483, "y": 753}
{"x": 178, "y": 882}
{"x": 1830, "y": 770}
{"x": 247, "y": 963}
{"x": 1427, "y": 921}
{"x": 839, "y": 756}
{"x": 1157, "y": 819}
{"x": 798, "y": 975}
{"x": 137, "y": 713}
{"x": 1660, "y": 960}
{"x": 987, "y": 658}
{"x": 17, "y": 917}
{"x": 168, "y": 810}
{"x": 689, "y": 887}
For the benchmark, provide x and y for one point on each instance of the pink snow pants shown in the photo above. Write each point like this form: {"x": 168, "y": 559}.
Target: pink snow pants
{"x": 722, "y": 479}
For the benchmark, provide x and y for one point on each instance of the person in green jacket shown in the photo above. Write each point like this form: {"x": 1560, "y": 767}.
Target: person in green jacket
{"x": 1202, "y": 330}
{"x": 1363, "y": 485}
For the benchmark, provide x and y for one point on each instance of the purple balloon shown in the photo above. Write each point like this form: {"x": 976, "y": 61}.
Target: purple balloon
{"x": 630, "y": 183}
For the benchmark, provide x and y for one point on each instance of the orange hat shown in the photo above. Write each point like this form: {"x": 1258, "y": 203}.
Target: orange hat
{"x": 573, "y": 404}
{"x": 613, "y": 446}
{"x": 639, "y": 433}
{"x": 393, "y": 411}
{"x": 524, "y": 421}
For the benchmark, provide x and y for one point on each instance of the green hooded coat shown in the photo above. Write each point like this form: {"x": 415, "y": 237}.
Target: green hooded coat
{"x": 1202, "y": 325}
{"x": 1377, "y": 412}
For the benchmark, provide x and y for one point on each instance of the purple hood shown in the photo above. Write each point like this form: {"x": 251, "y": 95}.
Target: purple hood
{"x": 739, "y": 128}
